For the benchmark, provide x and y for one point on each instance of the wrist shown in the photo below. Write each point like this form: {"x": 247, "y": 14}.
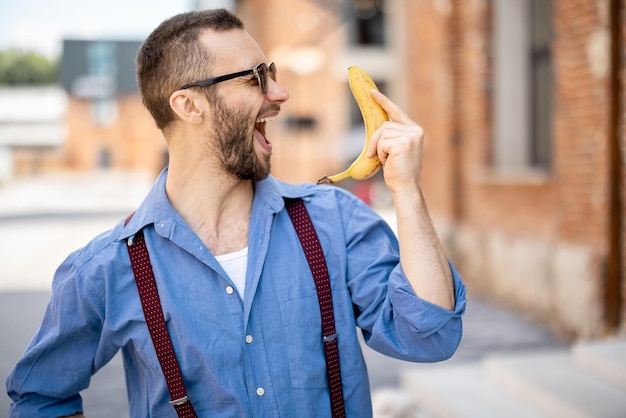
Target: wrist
{"x": 411, "y": 193}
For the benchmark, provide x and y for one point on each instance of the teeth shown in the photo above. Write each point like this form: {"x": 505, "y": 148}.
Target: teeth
{"x": 260, "y": 120}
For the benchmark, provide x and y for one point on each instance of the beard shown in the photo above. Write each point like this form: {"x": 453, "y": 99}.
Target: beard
{"x": 235, "y": 142}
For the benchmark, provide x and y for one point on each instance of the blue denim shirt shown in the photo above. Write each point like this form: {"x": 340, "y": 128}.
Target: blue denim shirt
{"x": 262, "y": 356}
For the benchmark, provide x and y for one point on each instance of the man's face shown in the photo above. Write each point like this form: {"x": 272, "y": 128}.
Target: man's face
{"x": 239, "y": 109}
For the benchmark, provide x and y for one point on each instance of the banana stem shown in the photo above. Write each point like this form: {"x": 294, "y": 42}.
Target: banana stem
{"x": 334, "y": 179}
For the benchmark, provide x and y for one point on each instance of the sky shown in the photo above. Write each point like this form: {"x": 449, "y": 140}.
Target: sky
{"x": 41, "y": 25}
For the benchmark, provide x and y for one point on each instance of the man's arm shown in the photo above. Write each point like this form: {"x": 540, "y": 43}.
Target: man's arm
{"x": 57, "y": 364}
{"x": 399, "y": 145}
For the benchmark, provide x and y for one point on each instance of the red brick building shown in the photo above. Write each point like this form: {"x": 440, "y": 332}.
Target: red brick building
{"x": 536, "y": 215}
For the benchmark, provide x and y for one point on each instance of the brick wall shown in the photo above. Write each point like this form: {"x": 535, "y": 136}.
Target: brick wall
{"x": 431, "y": 100}
{"x": 536, "y": 241}
{"x": 581, "y": 115}
{"x": 622, "y": 157}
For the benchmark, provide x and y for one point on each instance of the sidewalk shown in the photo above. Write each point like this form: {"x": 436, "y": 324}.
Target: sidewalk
{"x": 43, "y": 219}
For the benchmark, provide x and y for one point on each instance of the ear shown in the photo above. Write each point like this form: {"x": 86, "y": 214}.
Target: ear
{"x": 188, "y": 106}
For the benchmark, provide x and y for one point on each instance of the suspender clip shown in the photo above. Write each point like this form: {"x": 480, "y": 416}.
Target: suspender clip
{"x": 180, "y": 401}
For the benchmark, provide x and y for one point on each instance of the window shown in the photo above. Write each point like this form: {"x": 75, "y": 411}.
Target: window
{"x": 522, "y": 84}
{"x": 367, "y": 22}
{"x": 102, "y": 65}
{"x": 541, "y": 75}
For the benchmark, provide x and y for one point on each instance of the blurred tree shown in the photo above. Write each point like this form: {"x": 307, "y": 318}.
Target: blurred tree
{"x": 19, "y": 67}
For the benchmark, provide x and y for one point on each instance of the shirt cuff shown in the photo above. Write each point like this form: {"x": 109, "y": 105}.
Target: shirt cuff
{"x": 424, "y": 317}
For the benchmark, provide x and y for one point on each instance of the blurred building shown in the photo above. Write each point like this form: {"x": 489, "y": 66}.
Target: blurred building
{"x": 522, "y": 102}
{"x": 32, "y": 129}
{"x": 108, "y": 127}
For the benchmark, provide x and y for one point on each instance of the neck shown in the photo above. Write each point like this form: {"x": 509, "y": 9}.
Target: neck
{"x": 216, "y": 206}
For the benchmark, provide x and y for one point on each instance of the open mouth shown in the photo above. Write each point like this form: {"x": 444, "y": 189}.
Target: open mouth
{"x": 259, "y": 128}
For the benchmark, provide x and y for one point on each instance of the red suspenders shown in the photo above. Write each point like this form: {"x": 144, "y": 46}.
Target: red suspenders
{"x": 153, "y": 312}
{"x": 317, "y": 263}
{"x": 155, "y": 320}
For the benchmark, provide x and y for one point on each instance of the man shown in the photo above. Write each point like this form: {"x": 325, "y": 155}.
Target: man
{"x": 236, "y": 291}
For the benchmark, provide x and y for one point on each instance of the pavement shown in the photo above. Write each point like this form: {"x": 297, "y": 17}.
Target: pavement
{"x": 44, "y": 218}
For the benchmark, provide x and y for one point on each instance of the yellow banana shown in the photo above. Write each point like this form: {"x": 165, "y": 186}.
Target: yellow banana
{"x": 361, "y": 85}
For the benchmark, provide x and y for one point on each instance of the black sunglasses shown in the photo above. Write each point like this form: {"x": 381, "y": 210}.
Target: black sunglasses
{"x": 261, "y": 72}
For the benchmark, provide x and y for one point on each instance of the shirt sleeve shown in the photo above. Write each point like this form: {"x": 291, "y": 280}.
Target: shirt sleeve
{"x": 393, "y": 319}
{"x": 59, "y": 361}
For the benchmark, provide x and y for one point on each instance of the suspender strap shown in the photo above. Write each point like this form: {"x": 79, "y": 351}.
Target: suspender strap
{"x": 155, "y": 320}
{"x": 315, "y": 257}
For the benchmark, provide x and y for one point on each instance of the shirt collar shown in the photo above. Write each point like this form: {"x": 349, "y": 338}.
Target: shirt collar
{"x": 157, "y": 209}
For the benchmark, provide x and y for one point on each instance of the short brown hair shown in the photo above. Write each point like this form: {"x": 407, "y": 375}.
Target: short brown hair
{"x": 171, "y": 54}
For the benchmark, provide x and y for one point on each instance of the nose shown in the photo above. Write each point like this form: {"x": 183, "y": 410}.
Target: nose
{"x": 276, "y": 93}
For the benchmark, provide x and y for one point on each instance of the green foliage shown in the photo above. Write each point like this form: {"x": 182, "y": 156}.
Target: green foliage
{"x": 19, "y": 68}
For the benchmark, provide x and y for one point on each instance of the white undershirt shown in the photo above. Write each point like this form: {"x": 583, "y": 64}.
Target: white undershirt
{"x": 235, "y": 264}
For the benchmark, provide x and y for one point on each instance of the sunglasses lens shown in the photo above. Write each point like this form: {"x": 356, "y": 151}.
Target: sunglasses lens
{"x": 261, "y": 75}
{"x": 272, "y": 70}
{"x": 264, "y": 78}
{"x": 262, "y": 72}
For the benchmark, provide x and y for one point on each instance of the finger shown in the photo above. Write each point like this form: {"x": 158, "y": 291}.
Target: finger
{"x": 395, "y": 113}
{"x": 394, "y": 138}
{"x": 385, "y": 130}
{"x": 373, "y": 143}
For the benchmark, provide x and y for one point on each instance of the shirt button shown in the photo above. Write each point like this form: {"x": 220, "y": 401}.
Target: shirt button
{"x": 229, "y": 290}
{"x": 260, "y": 391}
{"x": 248, "y": 339}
